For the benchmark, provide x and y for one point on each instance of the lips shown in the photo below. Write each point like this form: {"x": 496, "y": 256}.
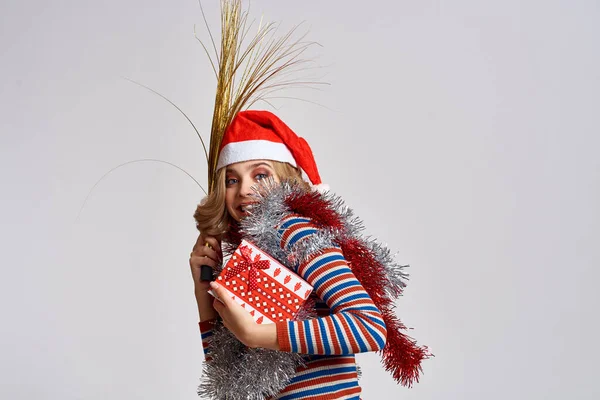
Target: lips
{"x": 245, "y": 207}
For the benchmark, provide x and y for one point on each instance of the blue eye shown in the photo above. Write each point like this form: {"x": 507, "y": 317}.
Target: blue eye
{"x": 230, "y": 181}
{"x": 261, "y": 176}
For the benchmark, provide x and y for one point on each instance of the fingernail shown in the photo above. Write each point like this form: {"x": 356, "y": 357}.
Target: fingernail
{"x": 214, "y": 285}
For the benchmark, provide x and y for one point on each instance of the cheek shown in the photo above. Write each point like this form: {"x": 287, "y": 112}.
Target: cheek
{"x": 229, "y": 198}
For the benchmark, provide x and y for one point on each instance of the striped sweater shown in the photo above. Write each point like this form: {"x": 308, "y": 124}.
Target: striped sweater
{"x": 348, "y": 322}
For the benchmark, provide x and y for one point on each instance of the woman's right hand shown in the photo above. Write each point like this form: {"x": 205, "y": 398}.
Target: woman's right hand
{"x": 204, "y": 255}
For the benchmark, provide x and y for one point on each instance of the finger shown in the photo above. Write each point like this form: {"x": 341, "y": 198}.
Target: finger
{"x": 214, "y": 244}
{"x": 218, "y": 306}
{"x": 225, "y": 324}
{"x": 221, "y": 309}
{"x": 206, "y": 251}
{"x": 215, "y": 254}
{"x": 198, "y": 261}
{"x": 200, "y": 241}
{"x": 196, "y": 264}
{"x": 222, "y": 293}
{"x": 203, "y": 240}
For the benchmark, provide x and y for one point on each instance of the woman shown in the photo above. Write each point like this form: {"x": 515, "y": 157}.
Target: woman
{"x": 258, "y": 145}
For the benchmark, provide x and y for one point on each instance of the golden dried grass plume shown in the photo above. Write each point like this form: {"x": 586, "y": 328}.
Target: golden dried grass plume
{"x": 250, "y": 68}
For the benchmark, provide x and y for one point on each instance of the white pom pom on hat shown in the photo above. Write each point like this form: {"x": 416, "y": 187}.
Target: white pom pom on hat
{"x": 257, "y": 135}
{"x": 321, "y": 187}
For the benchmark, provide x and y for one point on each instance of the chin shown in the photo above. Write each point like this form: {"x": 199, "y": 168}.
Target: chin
{"x": 233, "y": 215}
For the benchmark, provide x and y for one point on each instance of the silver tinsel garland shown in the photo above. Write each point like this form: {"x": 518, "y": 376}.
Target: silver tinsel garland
{"x": 237, "y": 372}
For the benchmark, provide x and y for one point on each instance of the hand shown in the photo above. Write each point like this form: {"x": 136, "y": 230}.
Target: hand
{"x": 240, "y": 322}
{"x": 204, "y": 255}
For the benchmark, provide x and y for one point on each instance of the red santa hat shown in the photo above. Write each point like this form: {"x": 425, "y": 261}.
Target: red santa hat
{"x": 261, "y": 135}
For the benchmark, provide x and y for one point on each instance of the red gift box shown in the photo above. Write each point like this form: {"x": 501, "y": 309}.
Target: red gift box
{"x": 259, "y": 283}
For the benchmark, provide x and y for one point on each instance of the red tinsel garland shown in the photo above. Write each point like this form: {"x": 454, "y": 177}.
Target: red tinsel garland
{"x": 315, "y": 206}
{"x": 401, "y": 354}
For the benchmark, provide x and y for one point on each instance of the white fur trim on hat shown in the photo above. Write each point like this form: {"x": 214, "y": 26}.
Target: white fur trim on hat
{"x": 254, "y": 150}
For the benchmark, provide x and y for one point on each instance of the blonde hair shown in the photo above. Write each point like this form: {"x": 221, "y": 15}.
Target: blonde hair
{"x": 212, "y": 218}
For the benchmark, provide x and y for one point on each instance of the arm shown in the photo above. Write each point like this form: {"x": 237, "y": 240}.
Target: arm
{"x": 207, "y": 319}
{"x": 206, "y": 331}
{"x": 204, "y": 255}
{"x": 355, "y": 324}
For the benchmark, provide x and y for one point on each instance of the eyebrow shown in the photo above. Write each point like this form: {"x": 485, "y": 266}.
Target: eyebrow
{"x": 252, "y": 166}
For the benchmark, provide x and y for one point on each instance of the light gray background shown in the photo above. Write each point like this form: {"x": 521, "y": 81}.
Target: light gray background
{"x": 464, "y": 133}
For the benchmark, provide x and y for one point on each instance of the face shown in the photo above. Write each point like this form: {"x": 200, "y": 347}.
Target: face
{"x": 239, "y": 179}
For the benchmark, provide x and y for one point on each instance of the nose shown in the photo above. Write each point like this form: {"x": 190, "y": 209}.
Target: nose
{"x": 246, "y": 188}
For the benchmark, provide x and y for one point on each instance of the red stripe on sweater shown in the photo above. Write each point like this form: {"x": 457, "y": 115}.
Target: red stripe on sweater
{"x": 335, "y": 294}
{"x": 365, "y": 314}
{"x": 367, "y": 335}
{"x": 335, "y": 341}
{"x": 301, "y": 338}
{"x": 292, "y": 230}
{"x": 339, "y": 394}
{"x": 351, "y": 340}
{"x": 377, "y": 327}
{"x": 329, "y": 361}
{"x": 320, "y": 381}
{"x": 339, "y": 265}
{"x": 317, "y": 337}
{"x": 328, "y": 265}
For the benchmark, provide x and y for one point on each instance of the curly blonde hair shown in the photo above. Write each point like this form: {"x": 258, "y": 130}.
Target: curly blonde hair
{"x": 212, "y": 218}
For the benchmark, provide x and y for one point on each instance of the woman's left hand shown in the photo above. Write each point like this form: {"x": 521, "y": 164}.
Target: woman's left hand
{"x": 240, "y": 322}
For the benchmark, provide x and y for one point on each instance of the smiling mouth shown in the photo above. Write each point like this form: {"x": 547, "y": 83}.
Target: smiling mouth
{"x": 244, "y": 208}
